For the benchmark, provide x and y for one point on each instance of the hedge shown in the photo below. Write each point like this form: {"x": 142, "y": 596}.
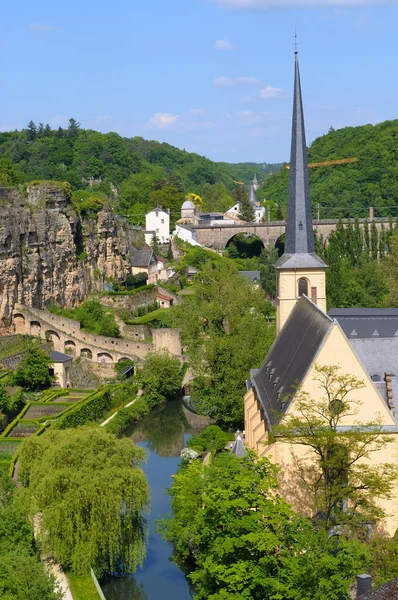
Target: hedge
{"x": 128, "y": 416}
{"x": 89, "y": 409}
{"x": 145, "y": 288}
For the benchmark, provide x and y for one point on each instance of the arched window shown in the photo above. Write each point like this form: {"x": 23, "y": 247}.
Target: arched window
{"x": 303, "y": 287}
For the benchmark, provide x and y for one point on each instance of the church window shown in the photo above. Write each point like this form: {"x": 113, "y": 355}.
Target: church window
{"x": 303, "y": 287}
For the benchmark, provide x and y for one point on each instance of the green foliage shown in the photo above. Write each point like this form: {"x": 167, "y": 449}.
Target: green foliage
{"x": 267, "y": 259}
{"x": 136, "y": 281}
{"x": 160, "y": 377}
{"x": 8, "y": 174}
{"x": 348, "y": 190}
{"x": 22, "y": 575}
{"x": 246, "y": 211}
{"x": 88, "y": 410}
{"x": 82, "y": 587}
{"x": 126, "y": 417}
{"x": 384, "y": 552}
{"x": 93, "y": 317}
{"x": 211, "y": 438}
{"x": 243, "y": 541}
{"x": 87, "y": 202}
{"x": 33, "y": 370}
{"x": 90, "y": 489}
{"x": 155, "y": 244}
{"x": 227, "y": 314}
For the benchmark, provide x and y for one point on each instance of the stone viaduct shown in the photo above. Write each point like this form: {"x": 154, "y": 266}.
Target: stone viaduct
{"x": 218, "y": 236}
{"x": 66, "y": 336}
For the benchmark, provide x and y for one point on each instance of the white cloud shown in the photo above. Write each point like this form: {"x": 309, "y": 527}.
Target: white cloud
{"x": 266, "y": 93}
{"x": 223, "y": 81}
{"x": 223, "y": 45}
{"x": 42, "y": 27}
{"x": 254, "y": 5}
{"x": 161, "y": 120}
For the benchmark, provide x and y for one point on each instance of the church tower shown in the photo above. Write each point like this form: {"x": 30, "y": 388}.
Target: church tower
{"x": 300, "y": 270}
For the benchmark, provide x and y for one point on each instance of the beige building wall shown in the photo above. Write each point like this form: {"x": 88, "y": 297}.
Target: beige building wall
{"x": 151, "y": 271}
{"x": 62, "y": 373}
{"x": 288, "y": 291}
{"x": 336, "y": 350}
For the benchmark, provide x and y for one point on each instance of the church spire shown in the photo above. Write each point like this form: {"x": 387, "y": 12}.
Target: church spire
{"x": 299, "y": 246}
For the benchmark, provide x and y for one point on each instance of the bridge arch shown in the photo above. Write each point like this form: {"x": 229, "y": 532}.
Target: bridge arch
{"x": 86, "y": 353}
{"x": 53, "y": 337}
{"x": 247, "y": 244}
{"x": 35, "y": 328}
{"x": 19, "y": 323}
{"x": 104, "y": 357}
{"x": 70, "y": 347}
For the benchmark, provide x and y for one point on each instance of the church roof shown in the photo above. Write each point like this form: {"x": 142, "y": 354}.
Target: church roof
{"x": 299, "y": 229}
{"x": 290, "y": 357}
{"x": 387, "y": 591}
{"x": 367, "y": 323}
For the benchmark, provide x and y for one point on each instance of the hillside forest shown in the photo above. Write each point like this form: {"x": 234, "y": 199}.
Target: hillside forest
{"x": 134, "y": 174}
{"x": 346, "y": 190}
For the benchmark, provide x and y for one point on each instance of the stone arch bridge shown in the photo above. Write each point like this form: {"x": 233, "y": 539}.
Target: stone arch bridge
{"x": 66, "y": 336}
{"x": 218, "y": 236}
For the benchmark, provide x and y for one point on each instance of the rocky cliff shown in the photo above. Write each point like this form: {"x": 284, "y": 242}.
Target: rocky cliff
{"x": 48, "y": 254}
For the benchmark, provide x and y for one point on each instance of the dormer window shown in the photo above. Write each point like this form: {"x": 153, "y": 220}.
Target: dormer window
{"x": 301, "y": 226}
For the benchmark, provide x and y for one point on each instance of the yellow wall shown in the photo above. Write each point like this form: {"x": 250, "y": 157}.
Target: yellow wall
{"x": 287, "y": 290}
{"x": 336, "y": 350}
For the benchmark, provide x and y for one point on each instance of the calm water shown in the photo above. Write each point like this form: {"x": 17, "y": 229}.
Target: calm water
{"x": 163, "y": 434}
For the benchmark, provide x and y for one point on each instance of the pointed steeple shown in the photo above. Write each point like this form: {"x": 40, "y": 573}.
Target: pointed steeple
{"x": 299, "y": 245}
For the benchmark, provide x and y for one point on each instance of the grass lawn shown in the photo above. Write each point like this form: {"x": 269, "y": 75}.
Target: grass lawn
{"x": 155, "y": 314}
{"x": 82, "y": 587}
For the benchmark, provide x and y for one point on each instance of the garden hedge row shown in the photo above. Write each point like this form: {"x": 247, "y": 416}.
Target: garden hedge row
{"x": 89, "y": 409}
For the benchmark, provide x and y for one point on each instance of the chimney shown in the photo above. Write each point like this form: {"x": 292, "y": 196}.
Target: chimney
{"x": 364, "y": 584}
{"x": 371, "y": 213}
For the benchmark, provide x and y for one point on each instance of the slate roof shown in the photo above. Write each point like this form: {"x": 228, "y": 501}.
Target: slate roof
{"x": 254, "y": 276}
{"x": 299, "y": 246}
{"x": 253, "y": 197}
{"x": 238, "y": 447}
{"x": 387, "y": 591}
{"x": 59, "y": 357}
{"x": 141, "y": 258}
{"x": 367, "y": 323}
{"x": 290, "y": 357}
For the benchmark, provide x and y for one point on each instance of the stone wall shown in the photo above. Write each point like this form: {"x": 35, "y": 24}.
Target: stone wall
{"x": 129, "y": 301}
{"x": 66, "y": 336}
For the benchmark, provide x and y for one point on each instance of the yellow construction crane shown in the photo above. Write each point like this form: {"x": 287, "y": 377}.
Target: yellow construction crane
{"x": 238, "y": 182}
{"x": 329, "y": 163}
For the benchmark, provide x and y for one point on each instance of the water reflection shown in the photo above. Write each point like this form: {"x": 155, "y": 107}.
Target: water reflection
{"x": 163, "y": 433}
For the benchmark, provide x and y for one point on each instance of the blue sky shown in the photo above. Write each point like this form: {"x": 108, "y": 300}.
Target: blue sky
{"x": 211, "y": 76}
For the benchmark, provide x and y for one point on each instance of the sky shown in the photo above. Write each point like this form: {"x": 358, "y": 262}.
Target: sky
{"x": 214, "y": 77}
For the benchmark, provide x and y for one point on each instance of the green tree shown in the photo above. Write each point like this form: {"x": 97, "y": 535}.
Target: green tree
{"x": 341, "y": 488}
{"x": 5, "y": 400}
{"x": 243, "y": 541}
{"x": 266, "y": 261}
{"x": 22, "y": 574}
{"x": 160, "y": 377}
{"x": 225, "y": 315}
{"x": 32, "y": 131}
{"x": 33, "y": 370}
{"x": 90, "y": 490}
{"x": 73, "y": 128}
{"x": 390, "y": 271}
{"x": 8, "y": 175}
{"x": 246, "y": 211}
{"x": 155, "y": 244}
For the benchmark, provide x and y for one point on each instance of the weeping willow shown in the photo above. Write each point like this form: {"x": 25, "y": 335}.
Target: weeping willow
{"x": 89, "y": 491}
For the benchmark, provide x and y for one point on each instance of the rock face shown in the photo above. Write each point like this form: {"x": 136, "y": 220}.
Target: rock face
{"x": 49, "y": 255}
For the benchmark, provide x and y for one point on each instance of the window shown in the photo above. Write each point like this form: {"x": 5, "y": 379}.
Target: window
{"x": 303, "y": 287}
{"x": 157, "y": 214}
{"x": 162, "y": 221}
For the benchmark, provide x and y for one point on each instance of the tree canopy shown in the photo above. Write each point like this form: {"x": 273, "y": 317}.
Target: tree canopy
{"x": 90, "y": 490}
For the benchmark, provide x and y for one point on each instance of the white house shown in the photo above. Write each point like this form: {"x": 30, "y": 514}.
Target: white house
{"x": 157, "y": 221}
{"x": 258, "y": 209}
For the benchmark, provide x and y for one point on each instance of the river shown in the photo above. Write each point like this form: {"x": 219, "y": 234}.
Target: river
{"x": 163, "y": 434}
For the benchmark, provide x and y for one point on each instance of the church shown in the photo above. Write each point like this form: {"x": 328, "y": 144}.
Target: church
{"x": 362, "y": 342}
